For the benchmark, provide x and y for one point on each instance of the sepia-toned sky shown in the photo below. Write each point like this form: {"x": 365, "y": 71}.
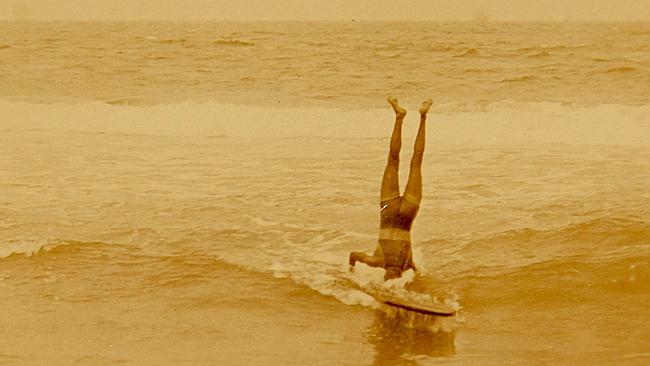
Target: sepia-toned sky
{"x": 325, "y": 10}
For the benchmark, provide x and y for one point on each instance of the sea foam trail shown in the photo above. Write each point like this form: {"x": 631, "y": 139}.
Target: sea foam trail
{"x": 495, "y": 124}
{"x": 27, "y": 246}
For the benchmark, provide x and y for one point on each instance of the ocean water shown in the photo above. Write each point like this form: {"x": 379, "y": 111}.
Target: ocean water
{"x": 188, "y": 193}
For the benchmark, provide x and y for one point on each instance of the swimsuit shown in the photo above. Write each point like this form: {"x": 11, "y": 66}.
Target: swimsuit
{"x": 398, "y": 213}
{"x": 396, "y": 218}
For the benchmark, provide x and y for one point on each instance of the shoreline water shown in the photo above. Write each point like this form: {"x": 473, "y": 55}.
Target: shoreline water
{"x": 519, "y": 235}
{"x": 157, "y": 314}
{"x": 183, "y": 227}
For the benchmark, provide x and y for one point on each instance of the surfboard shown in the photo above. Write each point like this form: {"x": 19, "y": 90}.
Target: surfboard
{"x": 410, "y": 303}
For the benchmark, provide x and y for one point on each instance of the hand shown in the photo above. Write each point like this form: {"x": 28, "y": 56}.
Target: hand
{"x": 352, "y": 261}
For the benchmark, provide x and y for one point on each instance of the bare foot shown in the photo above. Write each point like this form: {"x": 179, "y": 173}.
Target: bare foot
{"x": 425, "y": 106}
{"x": 399, "y": 111}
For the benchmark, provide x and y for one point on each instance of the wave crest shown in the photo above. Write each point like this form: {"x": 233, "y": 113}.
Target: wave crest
{"x": 471, "y": 52}
{"x": 232, "y": 42}
{"x": 28, "y": 246}
{"x": 520, "y": 79}
{"x": 621, "y": 69}
{"x": 541, "y": 54}
{"x": 599, "y": 239}
{"x": 613, "y": 124}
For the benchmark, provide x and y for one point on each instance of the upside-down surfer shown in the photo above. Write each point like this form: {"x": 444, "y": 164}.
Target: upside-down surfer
{"x": 396, "y": 213}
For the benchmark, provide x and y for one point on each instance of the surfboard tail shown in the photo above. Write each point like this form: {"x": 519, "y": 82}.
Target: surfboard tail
{"x": 418, "y": 320}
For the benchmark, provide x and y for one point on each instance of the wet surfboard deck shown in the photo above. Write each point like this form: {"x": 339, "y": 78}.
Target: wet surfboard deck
{"x": 410, "y": 303}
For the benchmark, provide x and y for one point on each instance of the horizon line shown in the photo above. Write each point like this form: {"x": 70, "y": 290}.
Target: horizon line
{"x": 351, "y": 20}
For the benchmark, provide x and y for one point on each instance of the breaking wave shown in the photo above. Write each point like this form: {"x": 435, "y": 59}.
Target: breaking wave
{"x": 232, "y": 42}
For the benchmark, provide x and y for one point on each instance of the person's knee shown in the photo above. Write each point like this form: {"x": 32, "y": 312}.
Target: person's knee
{"x": 393, "y": 157}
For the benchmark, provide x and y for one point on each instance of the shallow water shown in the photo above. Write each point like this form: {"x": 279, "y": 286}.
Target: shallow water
{"x": 170, "y": 229}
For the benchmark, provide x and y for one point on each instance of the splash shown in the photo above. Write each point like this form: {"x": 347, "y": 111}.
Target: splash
{"x": 28, "y": 246}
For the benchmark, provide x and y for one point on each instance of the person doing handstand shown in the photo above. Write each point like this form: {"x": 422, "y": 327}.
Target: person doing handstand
{"x": 396, "y": 213}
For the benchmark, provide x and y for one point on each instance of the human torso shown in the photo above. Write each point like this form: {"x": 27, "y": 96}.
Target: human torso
{"x": 396, "y": 219}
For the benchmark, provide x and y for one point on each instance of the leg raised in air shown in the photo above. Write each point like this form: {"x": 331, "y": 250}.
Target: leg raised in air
{"x": 390, "y": 180}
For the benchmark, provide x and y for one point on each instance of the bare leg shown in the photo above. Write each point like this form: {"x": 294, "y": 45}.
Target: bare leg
{"x": 390, "y": 181}
{"x": 371, "y": 260}
{"x": 413, "y": 192}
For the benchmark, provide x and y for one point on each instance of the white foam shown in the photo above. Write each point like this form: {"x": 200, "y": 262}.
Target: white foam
{"x": 504, "y": 123}
{"x": 357, "y": 297}
{"x": 27, "y": 246}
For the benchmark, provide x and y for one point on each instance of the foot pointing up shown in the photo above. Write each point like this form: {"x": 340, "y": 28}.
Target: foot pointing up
{"x": 425, "y": 107}
{"x": 399, "y": 111}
